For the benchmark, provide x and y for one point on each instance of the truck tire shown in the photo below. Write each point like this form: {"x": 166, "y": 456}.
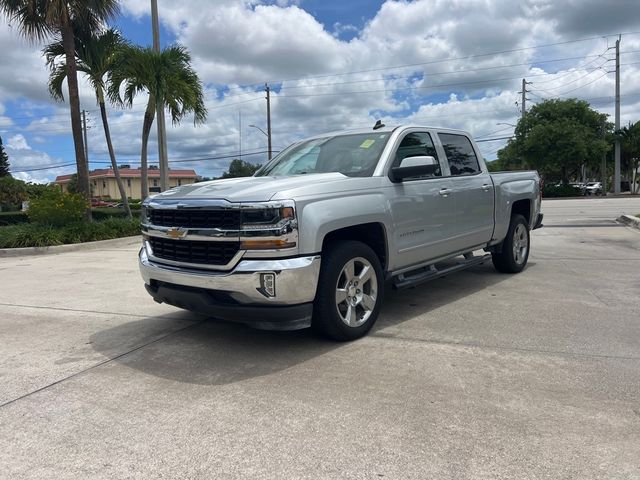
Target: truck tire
{"x": 514, "y": 253}
{"x": 350, "y": 291}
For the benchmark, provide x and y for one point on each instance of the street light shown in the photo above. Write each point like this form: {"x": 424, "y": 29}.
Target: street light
{"x": 509, "y": 124}
{"x": 265, "y": 133}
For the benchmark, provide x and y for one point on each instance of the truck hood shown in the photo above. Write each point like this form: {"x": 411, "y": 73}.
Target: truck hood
{"x": 247, "y": 189}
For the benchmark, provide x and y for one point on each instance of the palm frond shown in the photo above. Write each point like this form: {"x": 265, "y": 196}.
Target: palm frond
{"x": 56, "y": 79}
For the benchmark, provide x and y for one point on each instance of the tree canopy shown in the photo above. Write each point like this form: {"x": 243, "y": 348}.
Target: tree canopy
{"x": 240, "y": 168}
{"x": 557, "y": 137}
{"x": 12, "y": 191}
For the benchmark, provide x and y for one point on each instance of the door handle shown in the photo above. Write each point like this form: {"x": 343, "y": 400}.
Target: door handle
{"x": 444, "y": 191}
{"x": 486, "y": 187}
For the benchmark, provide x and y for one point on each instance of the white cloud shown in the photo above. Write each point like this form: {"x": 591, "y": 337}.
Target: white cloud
{"x": 18, "y": 142}
{"x": 445, "y": 44}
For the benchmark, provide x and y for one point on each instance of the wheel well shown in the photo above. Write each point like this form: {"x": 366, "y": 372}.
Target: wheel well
{"x": 522, "y": 207}
{"x": 371, "y": 234}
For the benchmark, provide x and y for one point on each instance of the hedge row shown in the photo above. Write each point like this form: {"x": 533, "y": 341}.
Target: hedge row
{"x": 12, "y": 218}
{"x": 553, "y": 191}
{"x": 35, "y": 235}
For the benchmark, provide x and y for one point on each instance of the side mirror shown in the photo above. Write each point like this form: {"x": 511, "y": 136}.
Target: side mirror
{"x": 414, "y": 167}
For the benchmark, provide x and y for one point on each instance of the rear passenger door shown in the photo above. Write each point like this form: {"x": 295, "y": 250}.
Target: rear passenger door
{"x": 472, "y": 192}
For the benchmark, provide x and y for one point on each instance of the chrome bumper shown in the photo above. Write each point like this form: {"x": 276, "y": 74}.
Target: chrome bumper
{"x": 296, "y": 279}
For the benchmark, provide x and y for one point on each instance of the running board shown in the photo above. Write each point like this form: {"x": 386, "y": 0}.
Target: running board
{"x": 431, "y": 272}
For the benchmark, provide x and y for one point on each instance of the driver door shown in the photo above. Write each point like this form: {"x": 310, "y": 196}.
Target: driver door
{"x": 422, "y": 207}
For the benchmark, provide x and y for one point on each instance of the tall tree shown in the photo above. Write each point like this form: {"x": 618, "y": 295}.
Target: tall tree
{"x": 4, "y": 161}
{"x": 95, "y": 56}
{"x": 168, "y": 78}
{"x": 240, "y": 168}
{"x": 557, "y": 137}
{"x": 39, "y": 20}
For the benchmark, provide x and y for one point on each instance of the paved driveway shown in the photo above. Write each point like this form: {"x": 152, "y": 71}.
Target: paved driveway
{"x": 478, "y": 375}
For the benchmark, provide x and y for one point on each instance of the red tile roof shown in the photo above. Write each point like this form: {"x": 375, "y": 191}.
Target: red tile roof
{"x": 130, "y": 173}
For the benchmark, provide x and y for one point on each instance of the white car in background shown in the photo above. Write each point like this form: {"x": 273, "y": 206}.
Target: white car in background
{"x": 593, "y": 188}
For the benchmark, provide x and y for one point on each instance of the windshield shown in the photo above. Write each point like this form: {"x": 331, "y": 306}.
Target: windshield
{"x": 352, "y": 155}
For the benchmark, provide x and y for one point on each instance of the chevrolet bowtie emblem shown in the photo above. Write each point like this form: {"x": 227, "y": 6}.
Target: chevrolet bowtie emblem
{"x": 176, "y": 233}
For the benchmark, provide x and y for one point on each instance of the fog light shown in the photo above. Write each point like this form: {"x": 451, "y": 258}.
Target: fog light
{"x": 268, "y": 284}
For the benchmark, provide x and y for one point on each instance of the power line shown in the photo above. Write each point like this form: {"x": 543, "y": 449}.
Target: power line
{"x": 568, "y": 83}
{"x": 41, "y": 168}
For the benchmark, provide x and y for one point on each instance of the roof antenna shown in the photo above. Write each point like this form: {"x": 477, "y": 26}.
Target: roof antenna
{"x": 378, "y": 125}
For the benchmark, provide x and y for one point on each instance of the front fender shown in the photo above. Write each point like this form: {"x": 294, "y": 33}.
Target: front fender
{"x": 321, "y": 217}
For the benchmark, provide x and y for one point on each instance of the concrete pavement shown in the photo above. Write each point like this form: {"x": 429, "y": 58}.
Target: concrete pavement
{"x": 477, "y": 375}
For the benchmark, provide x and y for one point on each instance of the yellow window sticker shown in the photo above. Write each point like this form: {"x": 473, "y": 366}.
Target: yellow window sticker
{"x": 367, "y": 143}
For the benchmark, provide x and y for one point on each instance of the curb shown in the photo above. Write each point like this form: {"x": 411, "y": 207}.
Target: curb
{"x": 629, "y": 221}
{"x": 72, "y": 247}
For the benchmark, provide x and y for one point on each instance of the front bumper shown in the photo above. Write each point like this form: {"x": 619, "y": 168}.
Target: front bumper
{"x": 238, "y": 295}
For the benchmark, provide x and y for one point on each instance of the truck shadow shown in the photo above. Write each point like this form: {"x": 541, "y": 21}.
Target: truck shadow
{"x": 188, "y": 348}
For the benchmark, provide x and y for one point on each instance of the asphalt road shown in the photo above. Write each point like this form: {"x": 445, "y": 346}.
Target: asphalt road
{"x": 477, "y": 375}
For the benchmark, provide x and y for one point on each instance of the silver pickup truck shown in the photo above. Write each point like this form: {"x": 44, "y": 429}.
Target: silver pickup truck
{"x": 317, "y": 234}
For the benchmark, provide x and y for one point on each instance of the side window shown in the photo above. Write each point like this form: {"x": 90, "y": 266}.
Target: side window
{"x": 417, "y": 144}
{"x": 460, "y": 155}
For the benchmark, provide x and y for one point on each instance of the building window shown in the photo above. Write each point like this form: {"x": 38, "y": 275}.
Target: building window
{"x": 155, "y": 182}
{"x": 104, "y": 184}
{"x": 129, "y": 182}
{"x": 179, "y": 182}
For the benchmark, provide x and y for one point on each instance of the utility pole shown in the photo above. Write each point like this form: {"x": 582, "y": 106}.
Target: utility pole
{"x": 84, "y": 134}
{"x": 523, "y": 103}
{"x": 616, "y": 165}
{"x": 268, "y": 90}
{"x": 162, "y": 134}
{"x": 240, "y": 132}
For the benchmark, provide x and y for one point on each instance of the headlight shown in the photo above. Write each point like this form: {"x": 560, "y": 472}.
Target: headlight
{"x": 269, "y": 226}
{"x": 264, "y": 216}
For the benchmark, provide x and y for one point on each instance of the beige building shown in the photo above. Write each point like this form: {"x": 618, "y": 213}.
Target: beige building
{"x": 103, "y": 181}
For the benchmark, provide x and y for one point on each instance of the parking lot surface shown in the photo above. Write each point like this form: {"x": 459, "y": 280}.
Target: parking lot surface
{"x": 477, "y": 375}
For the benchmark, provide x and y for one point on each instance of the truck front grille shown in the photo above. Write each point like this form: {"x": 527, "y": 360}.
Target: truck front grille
{"x": 225, "y": 219}
{"x": 191, "y": 251}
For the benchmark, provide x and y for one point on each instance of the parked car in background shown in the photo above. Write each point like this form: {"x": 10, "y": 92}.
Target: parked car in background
{"x": 98, "y": 202}
{"x": 593, "y": 188}
{"x": 580, "y": 187}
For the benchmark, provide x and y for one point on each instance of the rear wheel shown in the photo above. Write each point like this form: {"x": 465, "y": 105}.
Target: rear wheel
{"x": 515, "y": 247}
{"x": 350, "y": 290}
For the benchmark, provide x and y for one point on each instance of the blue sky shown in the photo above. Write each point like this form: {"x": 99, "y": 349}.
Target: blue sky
{"x": 332, "y": 64}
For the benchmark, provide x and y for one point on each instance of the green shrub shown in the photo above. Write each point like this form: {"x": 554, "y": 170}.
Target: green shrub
{"x": 553, "y": 191}
{"x": 12, "y": 192}
{"x": 12, "y": 218}
{"x": 39, "y": 235}
{"x": 57, "y": 208}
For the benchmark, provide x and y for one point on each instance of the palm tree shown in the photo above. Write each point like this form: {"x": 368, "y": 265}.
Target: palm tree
{"x": 39, "y": 20}
{"x": 95, "y": 56}
{"x": 168, "y": 79}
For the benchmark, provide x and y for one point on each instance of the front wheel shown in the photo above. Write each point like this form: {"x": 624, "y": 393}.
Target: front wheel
{"x": 515, "y": 247}
{"x": 350, "y": 290}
